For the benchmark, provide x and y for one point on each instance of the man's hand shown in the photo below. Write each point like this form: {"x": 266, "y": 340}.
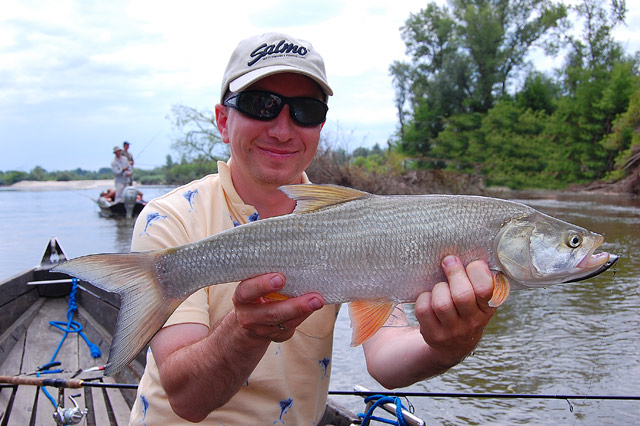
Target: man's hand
{"x": 267, "y": 318}
{"x": 453, "y": 315}
{"x": 452, "y": 318}
{"x": 244, "y": 333}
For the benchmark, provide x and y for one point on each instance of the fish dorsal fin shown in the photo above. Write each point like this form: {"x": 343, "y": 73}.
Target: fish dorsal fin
{"x": 311, "y": 197}
{"x": 367, "y": 317}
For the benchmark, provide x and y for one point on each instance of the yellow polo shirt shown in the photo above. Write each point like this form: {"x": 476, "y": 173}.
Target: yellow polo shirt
{"x": 290, "y": 384}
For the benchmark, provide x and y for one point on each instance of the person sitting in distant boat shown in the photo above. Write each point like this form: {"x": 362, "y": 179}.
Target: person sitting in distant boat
{"x": 121, "y": 173}
{"x": 109, "y": 195}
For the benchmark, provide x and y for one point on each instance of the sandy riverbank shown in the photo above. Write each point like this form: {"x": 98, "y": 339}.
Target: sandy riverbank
{"x": 50, "y": 185}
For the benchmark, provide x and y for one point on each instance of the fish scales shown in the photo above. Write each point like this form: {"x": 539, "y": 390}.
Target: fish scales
{"x": 348, "y": 250}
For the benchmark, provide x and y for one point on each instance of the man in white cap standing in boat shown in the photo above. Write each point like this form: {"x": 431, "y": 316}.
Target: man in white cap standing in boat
{"x": 127, "y": 154}
{"x": 121, "y": 173}
{"x": 231, "y": 355}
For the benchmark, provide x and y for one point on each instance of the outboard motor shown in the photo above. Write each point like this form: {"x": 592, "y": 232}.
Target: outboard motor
{"x": 130, "y": 197}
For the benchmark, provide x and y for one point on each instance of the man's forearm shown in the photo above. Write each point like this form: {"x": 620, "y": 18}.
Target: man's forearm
{"x": 203, "y": 376}
{"x": 407, "y": 360}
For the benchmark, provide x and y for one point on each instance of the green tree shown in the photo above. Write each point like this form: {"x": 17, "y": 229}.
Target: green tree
{"x": 38, "y": 173}
{"x": 514, "y": 151}
{"x": 539, "y": 93}
{"x": 462, "y": 58}
{"x": 598, "y": 80}
{"x": 12, "y": 176}
{"x": 624, "y": 139}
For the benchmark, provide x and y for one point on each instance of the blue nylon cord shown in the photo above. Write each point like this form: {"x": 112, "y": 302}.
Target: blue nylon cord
{"x": 48, "y": 395}
{"x": 70, "y": 326}
{"x": 380, "y": 400}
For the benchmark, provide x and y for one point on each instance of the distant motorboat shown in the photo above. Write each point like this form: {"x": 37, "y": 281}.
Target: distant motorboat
{"x": 131, "y": 207}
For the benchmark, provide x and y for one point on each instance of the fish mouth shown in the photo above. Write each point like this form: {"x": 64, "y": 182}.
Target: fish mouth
{"x": 600, "y": 261}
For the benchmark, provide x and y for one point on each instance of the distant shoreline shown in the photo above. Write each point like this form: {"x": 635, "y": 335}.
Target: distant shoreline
{"x": 54, "y": 185}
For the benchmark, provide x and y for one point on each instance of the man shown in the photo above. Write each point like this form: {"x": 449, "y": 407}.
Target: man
{"x": 228, "y": 355}
{"x": 129, "y": 157}
{"x": 121, "y": 172}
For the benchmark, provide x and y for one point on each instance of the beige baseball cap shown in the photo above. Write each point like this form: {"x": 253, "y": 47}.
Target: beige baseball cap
{"x": 272, "y": 53}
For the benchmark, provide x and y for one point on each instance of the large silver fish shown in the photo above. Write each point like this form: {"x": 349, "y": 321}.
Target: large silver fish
{"x": 349, "y": 246}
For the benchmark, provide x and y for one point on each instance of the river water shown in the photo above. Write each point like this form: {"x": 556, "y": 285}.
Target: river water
{"x": 579, "y": 338}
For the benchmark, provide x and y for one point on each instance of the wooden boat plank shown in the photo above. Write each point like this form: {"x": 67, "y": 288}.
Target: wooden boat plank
{"x": 20, "y": 412}
{"x": 120, "y": 407}
{"x": 99, "y": 408}
{"x": 93, "y": 398}
{"x": 16, "y": 332}
{"x": 23, "y": 405}
{"x": 88, "y": 401}
{"x": 99, "y": 335}
{"x": 15, "y": 286}
{"x": 10, "y": 367}
{"x": 41, "y": 342}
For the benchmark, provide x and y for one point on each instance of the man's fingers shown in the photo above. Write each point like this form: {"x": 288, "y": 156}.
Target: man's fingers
{"x": 270, "y": 319}
{"x": 295, "y": 310}
{"x": 253, "y": 289}
{"x": 482, "y": 282}
{"x": 462, "y": 292}
{"x": 442, "y": 304}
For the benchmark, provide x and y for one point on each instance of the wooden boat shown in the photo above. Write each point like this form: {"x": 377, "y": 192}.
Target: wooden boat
{"x": 131, "y": 207}
{"x": 28, "y": 302}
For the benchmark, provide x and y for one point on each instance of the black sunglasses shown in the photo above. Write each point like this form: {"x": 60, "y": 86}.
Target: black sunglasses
{"x": 266, "y": 106}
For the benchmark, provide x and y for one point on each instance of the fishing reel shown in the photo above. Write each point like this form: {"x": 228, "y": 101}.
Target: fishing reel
{"x": 68, "y": 416}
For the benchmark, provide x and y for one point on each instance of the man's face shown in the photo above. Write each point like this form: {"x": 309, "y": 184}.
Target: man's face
{"x": 272, "y": 152}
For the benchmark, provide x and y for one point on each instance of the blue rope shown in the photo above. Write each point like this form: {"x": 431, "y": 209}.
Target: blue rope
{"x": 47, "y": 394}
{"x": 70, "y": 326}
{"x": 380, "y": 400}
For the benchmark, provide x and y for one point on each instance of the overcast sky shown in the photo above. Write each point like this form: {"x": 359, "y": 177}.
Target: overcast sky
{"x": 80, "y": 76}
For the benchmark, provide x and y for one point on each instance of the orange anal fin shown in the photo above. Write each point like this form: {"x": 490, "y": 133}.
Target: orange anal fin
{"x": 501, "y": 289}
{"x": 276, "y": 297}
{"x": 367, "y": 317}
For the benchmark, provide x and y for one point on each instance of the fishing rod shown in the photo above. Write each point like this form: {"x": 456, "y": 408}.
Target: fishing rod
{"x": 374, "y": 400}
{"x": 10, "y": 381}
{"x": 487, "y": 395}
{"x": 148, "y": 143}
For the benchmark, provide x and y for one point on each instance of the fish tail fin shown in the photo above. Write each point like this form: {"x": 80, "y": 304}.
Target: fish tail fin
{"x": 144, "y": 308}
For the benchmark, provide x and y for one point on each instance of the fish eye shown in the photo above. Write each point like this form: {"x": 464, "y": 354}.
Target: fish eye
{"x": 574, "y": 240}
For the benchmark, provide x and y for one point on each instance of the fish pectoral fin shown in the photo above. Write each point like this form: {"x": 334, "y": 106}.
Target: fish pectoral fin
{"x": 276, "y": 297}
{"x": 310, "y": 197}
{"x": 367, "y": 317}
{"x": 501, "y": 289}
